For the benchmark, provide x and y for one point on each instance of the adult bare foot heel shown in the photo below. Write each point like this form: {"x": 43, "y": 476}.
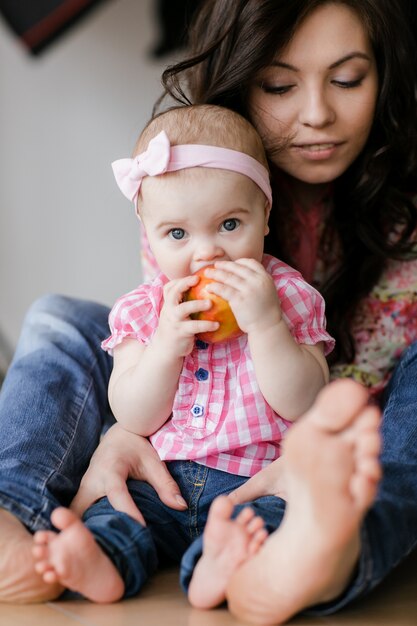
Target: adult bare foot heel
{"x": 74, "y": 559}
{"x": 227, "y": 543}
{"x": 19, "y": 582}
{"x": 332, "y": 473}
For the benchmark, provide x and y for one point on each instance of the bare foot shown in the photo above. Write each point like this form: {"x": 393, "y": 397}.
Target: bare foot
{"x": 74, "y": 559}
{"x": 19, "y": 583}
{"x": 227, "y": 543}
{"x": 332, "y": 473}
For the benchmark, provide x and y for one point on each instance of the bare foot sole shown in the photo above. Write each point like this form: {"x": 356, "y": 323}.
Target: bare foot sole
{"x": 332, "y": 472}
{"x": 227, "y": 543}
{"x": 19, "y": 583}
{"x": 73, "y": 559}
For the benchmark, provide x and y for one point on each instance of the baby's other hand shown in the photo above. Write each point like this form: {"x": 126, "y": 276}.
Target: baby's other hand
{"x": 250, "y": 291}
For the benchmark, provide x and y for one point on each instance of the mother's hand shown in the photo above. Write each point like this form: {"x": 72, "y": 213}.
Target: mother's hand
{"x": 122, "y": 455}
{"x": 268, "y": 482}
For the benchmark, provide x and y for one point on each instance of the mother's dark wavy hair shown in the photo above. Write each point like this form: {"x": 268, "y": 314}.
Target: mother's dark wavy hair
{"x": 374, "y": 216}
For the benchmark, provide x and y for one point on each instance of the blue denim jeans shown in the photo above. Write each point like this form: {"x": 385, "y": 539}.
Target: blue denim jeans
{"x": 138, "y": 550}
{"x": 53, "y": 408}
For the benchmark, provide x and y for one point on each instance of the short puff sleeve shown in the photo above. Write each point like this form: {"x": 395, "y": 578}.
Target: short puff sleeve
{"x": 302, "y": 305}
{"x": 135, "y": 315}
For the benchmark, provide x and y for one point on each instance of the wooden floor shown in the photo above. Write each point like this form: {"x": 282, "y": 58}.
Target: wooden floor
{"x": 163, "y": 604}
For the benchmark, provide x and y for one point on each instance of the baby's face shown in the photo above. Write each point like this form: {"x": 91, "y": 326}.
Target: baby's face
{"x": 198, "y": 216}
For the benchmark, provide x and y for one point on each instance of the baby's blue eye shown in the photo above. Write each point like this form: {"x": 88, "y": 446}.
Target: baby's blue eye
{"x": 231, "y": 224}
{"x": 177, "y": 233}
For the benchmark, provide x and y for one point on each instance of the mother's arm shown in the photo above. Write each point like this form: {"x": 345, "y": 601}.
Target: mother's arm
{"x": 122, "y": 455}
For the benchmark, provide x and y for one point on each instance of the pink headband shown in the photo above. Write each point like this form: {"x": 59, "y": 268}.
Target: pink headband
{"x": 160, "y": 157}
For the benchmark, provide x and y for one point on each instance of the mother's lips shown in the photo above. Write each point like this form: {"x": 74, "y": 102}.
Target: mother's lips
{"x": 317, "y": 146}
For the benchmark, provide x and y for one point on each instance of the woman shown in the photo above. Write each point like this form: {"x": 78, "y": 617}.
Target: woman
{"x": 362, "y": 219}
{"x": 322, "y": 91}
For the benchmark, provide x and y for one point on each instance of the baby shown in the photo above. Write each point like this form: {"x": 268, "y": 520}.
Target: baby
{"x": 215, "y": 412}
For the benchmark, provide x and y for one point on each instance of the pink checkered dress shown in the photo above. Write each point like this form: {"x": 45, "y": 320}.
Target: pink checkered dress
{"x": 220, "y": 417}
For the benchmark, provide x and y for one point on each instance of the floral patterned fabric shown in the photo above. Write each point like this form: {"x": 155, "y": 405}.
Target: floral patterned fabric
{"x": 385, "y": 323}
{"x": 384, "y": 326}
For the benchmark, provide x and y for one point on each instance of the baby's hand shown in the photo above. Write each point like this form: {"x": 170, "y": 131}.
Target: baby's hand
{"x": 176, "y": 329}
{"x": 250, "y": 291}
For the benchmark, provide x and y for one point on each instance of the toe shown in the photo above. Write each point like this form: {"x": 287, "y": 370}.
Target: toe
{"x": 363, "y": 491}
{"x": 62, "y": 518}
{"x": 257, "y": 540}
{"x": 42, "y": 566}
{"x": 221, "y": 508}
{"x": 255, "y": 524}
{"x": 50, "y": 576}
{"x": 41, "y": 537}
{"x": 338, "y": 404}
{"x": 40, "y": 552}
{"x": 245, "y": 516}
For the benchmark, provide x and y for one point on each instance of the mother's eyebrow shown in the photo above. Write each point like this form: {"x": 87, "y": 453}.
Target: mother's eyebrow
{"x": 348, "y": 57}
{"x": 344, "y": 59}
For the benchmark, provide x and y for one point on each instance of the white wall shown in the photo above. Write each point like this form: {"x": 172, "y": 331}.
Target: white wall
{"x": 64, "y": 116}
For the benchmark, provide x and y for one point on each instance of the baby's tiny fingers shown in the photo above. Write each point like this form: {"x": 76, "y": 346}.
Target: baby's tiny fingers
{"x": 252, "y": 265}
{"x": 177, "y": 287}
{"x": 194, "y": 306}
{"x": 228, "y": 275}
{"x": 195, "y": 327}
{"x": 241, "y": 267}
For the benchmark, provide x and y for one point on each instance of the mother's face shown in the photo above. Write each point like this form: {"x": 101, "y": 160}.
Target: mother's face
{"x": 319, "y": 95}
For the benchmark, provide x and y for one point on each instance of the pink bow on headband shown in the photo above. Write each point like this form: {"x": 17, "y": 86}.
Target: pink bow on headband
{"x": 160, "y": 157}
{"x": 129, "y": 173}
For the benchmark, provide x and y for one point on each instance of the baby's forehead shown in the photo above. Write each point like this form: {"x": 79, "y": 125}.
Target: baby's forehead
{"x": 179, "y": 192}
{"x": 173, "y": 183}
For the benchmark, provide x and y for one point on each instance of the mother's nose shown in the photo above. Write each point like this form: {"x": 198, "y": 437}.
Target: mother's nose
{"x": 316, "y": 109}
